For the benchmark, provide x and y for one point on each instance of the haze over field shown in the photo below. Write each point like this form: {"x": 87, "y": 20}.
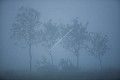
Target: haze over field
{"x": 100, "y": 16}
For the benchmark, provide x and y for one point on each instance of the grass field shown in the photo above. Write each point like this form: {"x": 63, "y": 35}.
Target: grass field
{"x": 112, "y": 74}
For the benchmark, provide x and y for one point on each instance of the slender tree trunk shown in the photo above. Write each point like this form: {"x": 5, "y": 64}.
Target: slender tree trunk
{"x": 51, "y": 57}
{"x": 100, "y": 63}
{"x": 30, "y": 55}
{"x": 78, "y": 61}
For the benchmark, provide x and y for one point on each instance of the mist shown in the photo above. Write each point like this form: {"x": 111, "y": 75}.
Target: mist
{"x": 58, "y": 27}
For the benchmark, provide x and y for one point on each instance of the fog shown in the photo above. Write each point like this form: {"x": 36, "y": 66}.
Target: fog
{"x": 102, "y": 15}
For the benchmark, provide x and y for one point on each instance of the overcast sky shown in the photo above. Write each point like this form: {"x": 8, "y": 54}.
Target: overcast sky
{"x": 102, "y": 15}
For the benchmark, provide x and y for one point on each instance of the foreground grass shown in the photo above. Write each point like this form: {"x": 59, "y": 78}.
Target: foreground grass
{"x": 62, "y": 75}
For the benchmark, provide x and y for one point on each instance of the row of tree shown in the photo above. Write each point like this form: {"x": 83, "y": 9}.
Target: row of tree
{"x": 29, "y": 30}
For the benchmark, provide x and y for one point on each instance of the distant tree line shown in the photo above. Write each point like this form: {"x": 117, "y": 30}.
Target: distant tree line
{"x": 29, "y": 30}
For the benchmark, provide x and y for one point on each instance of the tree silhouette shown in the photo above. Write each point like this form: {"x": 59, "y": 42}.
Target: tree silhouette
{"x": 77, "y": 38}
{"x": 51, "y": 36}
{"x": 98, "y": 46}
{"x": 25, "y": 28}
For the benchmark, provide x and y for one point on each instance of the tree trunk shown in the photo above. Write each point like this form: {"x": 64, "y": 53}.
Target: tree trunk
{"x": 77, "y": 62}
{"x": 100, "y": 63}
{"x": 51, "y": 58}
{"x": 30, "y": 55}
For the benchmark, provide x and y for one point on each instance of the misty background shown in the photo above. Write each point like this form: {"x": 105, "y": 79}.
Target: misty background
{"x": 103, "y": 16}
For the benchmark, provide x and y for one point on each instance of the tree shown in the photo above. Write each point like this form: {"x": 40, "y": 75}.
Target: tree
{"x": 25, "y": 28}
{"x": 77, "y": 38}
{"x": 51, "y": 36}
{"x": 98, "y": 46}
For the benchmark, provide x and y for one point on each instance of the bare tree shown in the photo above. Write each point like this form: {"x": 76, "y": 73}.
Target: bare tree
{"x": 25, "y": 28}
{"x": 77, "y": 38}
{"x": 98, "y": 46}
